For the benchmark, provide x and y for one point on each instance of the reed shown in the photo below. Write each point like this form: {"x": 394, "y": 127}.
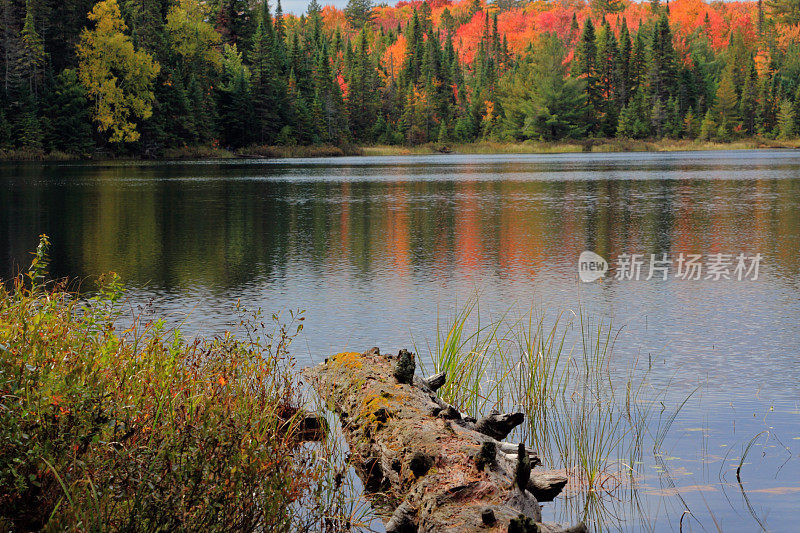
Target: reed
{"x": 557, "y": 368}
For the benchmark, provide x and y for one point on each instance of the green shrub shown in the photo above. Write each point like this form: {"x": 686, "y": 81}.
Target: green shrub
{"x": 142, "y": 429}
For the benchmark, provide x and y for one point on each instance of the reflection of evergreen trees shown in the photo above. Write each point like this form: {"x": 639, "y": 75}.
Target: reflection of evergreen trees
{"x": 178, "y": 232}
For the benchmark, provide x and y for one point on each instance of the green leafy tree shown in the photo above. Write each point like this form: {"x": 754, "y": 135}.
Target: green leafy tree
{"x": 117, "y": 78}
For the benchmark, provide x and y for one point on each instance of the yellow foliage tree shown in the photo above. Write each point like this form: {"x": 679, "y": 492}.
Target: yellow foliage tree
{"x": 116, "y": 76}
{"x": 193, "y": 38}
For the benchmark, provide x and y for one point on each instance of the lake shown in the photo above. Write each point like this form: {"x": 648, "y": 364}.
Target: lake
{"x": 376, "y": 250}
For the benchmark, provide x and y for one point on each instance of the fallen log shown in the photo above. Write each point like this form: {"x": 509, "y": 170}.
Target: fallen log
{"x": 431, "y": 467}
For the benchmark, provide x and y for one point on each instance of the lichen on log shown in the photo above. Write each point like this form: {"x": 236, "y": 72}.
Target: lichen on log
{"x": 432, "y": 467}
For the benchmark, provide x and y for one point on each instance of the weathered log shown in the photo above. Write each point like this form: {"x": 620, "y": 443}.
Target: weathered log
{"x": 436, "y": 381}
{"x": 546, "y": 485}
{"x": 433, "y": 473}
{"x": 499, "y": 426}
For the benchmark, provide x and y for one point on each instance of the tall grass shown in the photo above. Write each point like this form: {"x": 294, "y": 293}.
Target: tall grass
{"x": 558, "y": 370}
{"x": 142, "y": 429}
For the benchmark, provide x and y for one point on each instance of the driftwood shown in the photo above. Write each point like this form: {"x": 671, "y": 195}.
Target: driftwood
{"x": 431, "y": 467}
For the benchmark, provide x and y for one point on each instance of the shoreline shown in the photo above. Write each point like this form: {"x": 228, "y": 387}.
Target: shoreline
{"x": 484, "y": 148}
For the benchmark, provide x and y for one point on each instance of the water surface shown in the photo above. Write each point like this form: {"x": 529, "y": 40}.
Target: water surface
{"x": 376, "y": 249}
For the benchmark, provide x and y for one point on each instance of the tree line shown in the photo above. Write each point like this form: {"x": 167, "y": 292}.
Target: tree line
{"x": 140, "y": 77}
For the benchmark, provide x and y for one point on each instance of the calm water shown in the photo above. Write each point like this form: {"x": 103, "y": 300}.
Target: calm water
{"x": 375, "y": 249}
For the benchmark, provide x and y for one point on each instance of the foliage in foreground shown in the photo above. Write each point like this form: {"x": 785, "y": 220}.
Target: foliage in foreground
{"x": 143, "y": 430}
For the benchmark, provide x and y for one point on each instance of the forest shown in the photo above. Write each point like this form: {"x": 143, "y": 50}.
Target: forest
{"x": 143, "y": 77}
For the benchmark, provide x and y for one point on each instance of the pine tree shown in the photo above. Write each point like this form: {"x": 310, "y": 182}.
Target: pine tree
{"x": 747, "y": 102}
{"x": 358, "y": 12}
{"x": 785, "y": 12}
{"x": 29, "y": 129}
{"x": 69, "y": 115}
{"x": 625, "y": 84}
{"x": 673, "y": 127}
{"x": 362, "y": 91}
{"x": 634, "y": 121}
{"x": 662, "y": 72}
{"x": 267, "y": 67}
{"x": 32, "y": 56}
{"x": 587, "y": 67}
{"x": 608, "y": 81}
{"x": 786, "y": 120}
{"x": 235, "y": 100}
{"x": 708, "y": 129}
{"x": 726, "y": 104}
{"x": 691, "y": 127}
{"x": 547, "y": 103}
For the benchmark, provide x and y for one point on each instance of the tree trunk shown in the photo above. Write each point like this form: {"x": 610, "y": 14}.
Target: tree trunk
{"x": 420, "y": 460}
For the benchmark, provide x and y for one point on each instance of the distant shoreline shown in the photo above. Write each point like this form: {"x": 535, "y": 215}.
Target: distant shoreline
{"x": 484, "y": 147}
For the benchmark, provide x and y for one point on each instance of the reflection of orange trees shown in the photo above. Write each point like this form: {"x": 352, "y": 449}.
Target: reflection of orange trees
{"x": 522, "y": 229}
{"x": 467, "y": 228}
{"x": 398, "y": 229}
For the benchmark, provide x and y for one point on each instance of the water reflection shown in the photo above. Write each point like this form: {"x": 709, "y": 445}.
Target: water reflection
{"x": 377, "y": 249}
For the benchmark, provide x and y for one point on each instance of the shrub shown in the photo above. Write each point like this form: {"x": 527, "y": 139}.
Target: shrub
{"x": 142, "y": 429}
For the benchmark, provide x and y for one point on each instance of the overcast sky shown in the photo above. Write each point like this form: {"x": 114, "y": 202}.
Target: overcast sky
{"x": 299, "y": 6}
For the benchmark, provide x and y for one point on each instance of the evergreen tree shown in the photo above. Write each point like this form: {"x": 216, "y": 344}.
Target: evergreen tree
{"x": 362, "y": 91}
{"x": 785, "y": 12}
{"x": 608, "y": 81}
{"x": 748, "y": 102}
{"x": 708, "y": 129}
{"x": 267, "y": 66}
{"x": 662, "y": 71}
{"x": 32, "y": 55}
{"x": 786, "y": 120}
{"x": 69, "y": 115}
{"x": 625, "y": 83}
{"x": 632, "y": 119}
{"x": 541, "y": 100}
{"x": 691, "y": 127}
{"x": 235, "y": 100}
{"x": 726, "y": 105}
{"x": 587, "y": 67}
{"x": 29, "y": 129}
{"x": 358, "y": 12}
